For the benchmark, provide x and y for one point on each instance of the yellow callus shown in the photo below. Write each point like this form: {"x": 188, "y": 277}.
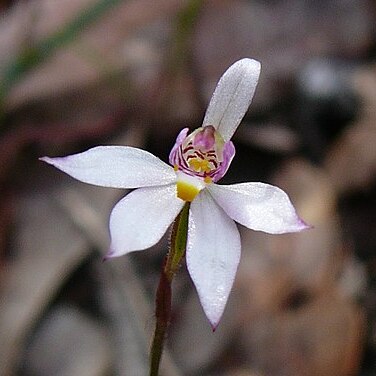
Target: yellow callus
{"x": 186, "y": 191}
{"x": 188, "y": 187}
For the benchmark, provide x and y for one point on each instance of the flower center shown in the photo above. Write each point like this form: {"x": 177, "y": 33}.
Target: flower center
{"x": 200, "y": 154}
{"x": 199, "y": 159}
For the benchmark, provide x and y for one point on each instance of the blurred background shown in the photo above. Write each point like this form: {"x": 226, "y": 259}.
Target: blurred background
{"x": 80, "y": 73}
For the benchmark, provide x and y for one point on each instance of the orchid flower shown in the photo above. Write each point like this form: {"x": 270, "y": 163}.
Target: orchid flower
{"x": 198, "y": 161}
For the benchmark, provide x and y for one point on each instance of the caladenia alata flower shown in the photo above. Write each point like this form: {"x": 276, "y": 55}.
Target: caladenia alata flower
{"x": 198, "y": 161}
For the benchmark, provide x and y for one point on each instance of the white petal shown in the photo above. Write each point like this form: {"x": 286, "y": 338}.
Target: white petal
{"x": 232, "y": 97}
{"x": 140, "y": 219}
{"x": 115, "y": 166}
{"x": 213, "y": 253}
{"x": 258, "y": 206}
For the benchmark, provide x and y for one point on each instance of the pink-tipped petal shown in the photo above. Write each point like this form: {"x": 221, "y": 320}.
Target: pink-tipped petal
{"x": 228, "y": 155}
{"x": 232, "y": 97}
{"x": 179, "y": 140}
{"x": 213, "y": 253}
{"x": 258, "y": 206}
{"x": 140, "y": 219}
{"x": 116, "y": 167}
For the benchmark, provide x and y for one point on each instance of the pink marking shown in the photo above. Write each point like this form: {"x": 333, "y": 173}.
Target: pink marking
{"x": 205, "y": 139}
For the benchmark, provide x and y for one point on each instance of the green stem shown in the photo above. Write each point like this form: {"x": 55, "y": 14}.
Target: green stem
{"x": 163, "y": 298}
{"x": 178, "y": 242}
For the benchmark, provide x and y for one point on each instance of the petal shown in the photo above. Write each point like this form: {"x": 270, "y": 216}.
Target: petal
{"x": 228, "y": 155}
{"x": 179, "y": 140}
{"x": 213, "y": 253}
{"x": 232, "y": 97}
{"x": 140, "y": 219}
{"x": 115, "y": 166}
{"x": 258, "y": 206}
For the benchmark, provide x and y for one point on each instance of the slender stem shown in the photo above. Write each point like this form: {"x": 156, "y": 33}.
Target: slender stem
{"x": 178, "y": 242}
{"x": 163, "y": 298}
{"x": 162, "y": 313}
